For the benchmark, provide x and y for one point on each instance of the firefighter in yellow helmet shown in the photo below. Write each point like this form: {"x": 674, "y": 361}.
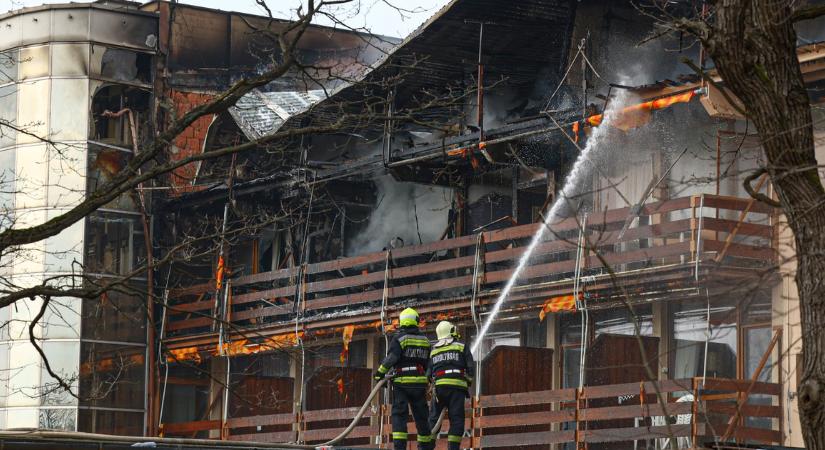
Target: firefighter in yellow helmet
{"x": 451, "y": 368}
{"x": 408, "y": 354}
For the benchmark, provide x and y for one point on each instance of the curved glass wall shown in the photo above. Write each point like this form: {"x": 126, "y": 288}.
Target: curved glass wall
{"x": 61, "y": 68}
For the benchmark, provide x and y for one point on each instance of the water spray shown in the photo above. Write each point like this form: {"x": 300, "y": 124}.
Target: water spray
{"x": 569, "y": 191}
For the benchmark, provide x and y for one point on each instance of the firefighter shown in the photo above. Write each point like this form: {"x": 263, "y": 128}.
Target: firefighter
{"x": 408, "y": 354}
{"x": 451, "y": 368}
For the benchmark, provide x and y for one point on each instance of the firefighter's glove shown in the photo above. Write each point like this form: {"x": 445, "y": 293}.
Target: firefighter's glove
{"x": 378, "y": 376}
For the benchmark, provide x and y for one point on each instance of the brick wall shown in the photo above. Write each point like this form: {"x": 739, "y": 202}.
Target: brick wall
{"x": 190, "y": 142}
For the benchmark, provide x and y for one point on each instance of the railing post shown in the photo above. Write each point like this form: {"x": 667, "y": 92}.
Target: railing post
{"x": 477, "y": 430}
{"x": 692, "y": 227}
{"x": 577, "y": 414}
{"x": 694, "y": 423}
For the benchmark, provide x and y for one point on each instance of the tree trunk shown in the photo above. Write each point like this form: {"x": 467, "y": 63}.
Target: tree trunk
{"x": 753, "y": 44}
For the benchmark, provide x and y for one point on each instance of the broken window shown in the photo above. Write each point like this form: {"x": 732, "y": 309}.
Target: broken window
{"x": 111, "y": 124}
{"x": 114, "y": 244}
{"x": 103, "y": 164}
{"x": 115, "y": 64}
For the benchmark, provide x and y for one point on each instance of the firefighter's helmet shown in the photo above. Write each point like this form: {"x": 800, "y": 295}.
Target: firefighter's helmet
{"x": 445, "y": 330}
{"x": 408, "y": 318}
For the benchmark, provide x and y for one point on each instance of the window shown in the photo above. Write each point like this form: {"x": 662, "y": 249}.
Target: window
{"x": 9, "y": 61}
{"x": 109, "y": 128}
{"x": 34, "y": 62}
{"x": 694, "y": 331}
{"x": 112, "y": 375}
{"x": 58, "y": 419}
{"x": 114, "y": 244}
{"x": 121, "y": 65}
{"x": 612, "y": 326}
{"x": 116, "y": 316}
{"x": 103, "y": 164}
{"x": 516, "y": 332}
{"x": 330, "y": 356}
{"x": 69, "y": 117}
{"x": 33, "y": 110}
{"x": 110, "y": 422}
{"x": 64, "y": 359}
{"x": 70, "y": 60}
{"x": 8, "y": 112}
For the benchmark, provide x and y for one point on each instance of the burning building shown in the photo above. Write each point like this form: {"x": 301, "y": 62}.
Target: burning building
{"x": 517, "y": 167}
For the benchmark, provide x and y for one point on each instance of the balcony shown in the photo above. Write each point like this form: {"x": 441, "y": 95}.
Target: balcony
{"x": 631, "y": 415}
{"x": 672, "y": 247}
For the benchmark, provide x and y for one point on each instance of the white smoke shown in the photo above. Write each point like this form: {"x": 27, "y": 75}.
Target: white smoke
{"x": 395, "y": 217}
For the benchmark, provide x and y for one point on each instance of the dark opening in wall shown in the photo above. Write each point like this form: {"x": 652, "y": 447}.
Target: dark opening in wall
{"x": 107, "y": 126}
{"x": 125, "y": 65}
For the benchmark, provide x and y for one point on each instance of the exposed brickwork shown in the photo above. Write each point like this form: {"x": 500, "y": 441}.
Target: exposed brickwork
{"x": 190, "y": 142}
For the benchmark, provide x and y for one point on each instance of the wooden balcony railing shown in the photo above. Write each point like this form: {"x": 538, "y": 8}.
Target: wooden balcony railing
{"x": 687, "y": 411}
{"x": 701, "y": 228}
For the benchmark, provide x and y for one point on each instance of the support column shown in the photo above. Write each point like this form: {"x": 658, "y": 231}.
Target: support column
{"x": 297, "y": 374}
{"x": 661, "y": 329}
{"x": 217, "y": 369}
{"x": 552, "y": 341}
{"x": 514, "y": 213}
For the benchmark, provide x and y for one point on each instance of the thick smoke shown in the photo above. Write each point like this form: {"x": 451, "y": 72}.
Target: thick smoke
{"x": 395, "y": 216}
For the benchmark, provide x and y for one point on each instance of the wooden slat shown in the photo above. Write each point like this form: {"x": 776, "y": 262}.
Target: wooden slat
{"x": 616, "y": 390}
{"x": 635, "y": 433}
{"x": 329, "y": 433}
{"x": 740, "y": 250}
{"x": 334, "y": 414}
{"x": 747, "y": 410}
{"x": 189, "y": 323}
{"x": 528, "y": 398}
{"x": 277, "y": 436}
{"x": 633, "y": 411}
{"x": 735, "y": 204}
{"x": 190, "y": 307}
{"x": 755, "y": 435}
{"x": 267, "y": 311}
{"x": 524, "y": 439}
{"x": 721, "y": 384}
{"x": 745, "y": 229}
{"x": 264, "y": 420}
{"x": 189, "y": 427}
{"x": 524, "y": 419}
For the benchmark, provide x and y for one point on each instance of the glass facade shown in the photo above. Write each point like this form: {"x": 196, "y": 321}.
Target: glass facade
{"x": 52, "y": 64}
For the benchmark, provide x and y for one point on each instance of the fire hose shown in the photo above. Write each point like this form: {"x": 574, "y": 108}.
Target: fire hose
{"x": 73, "y": 435}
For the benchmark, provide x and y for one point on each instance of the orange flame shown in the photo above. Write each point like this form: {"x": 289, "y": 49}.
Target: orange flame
{"x": 558, "y": 304}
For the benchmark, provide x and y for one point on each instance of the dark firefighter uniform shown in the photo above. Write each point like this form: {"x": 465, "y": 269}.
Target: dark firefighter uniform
{"x": 451, "y": 368}
{"x": 408, "y": 354}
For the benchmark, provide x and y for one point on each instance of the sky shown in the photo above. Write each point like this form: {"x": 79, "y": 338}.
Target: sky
{"x": 379, "y": 16}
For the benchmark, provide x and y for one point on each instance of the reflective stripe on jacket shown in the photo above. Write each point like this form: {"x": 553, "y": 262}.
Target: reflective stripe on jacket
{"x": 408, "y": 355}
{"x": 451, "y": 365}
